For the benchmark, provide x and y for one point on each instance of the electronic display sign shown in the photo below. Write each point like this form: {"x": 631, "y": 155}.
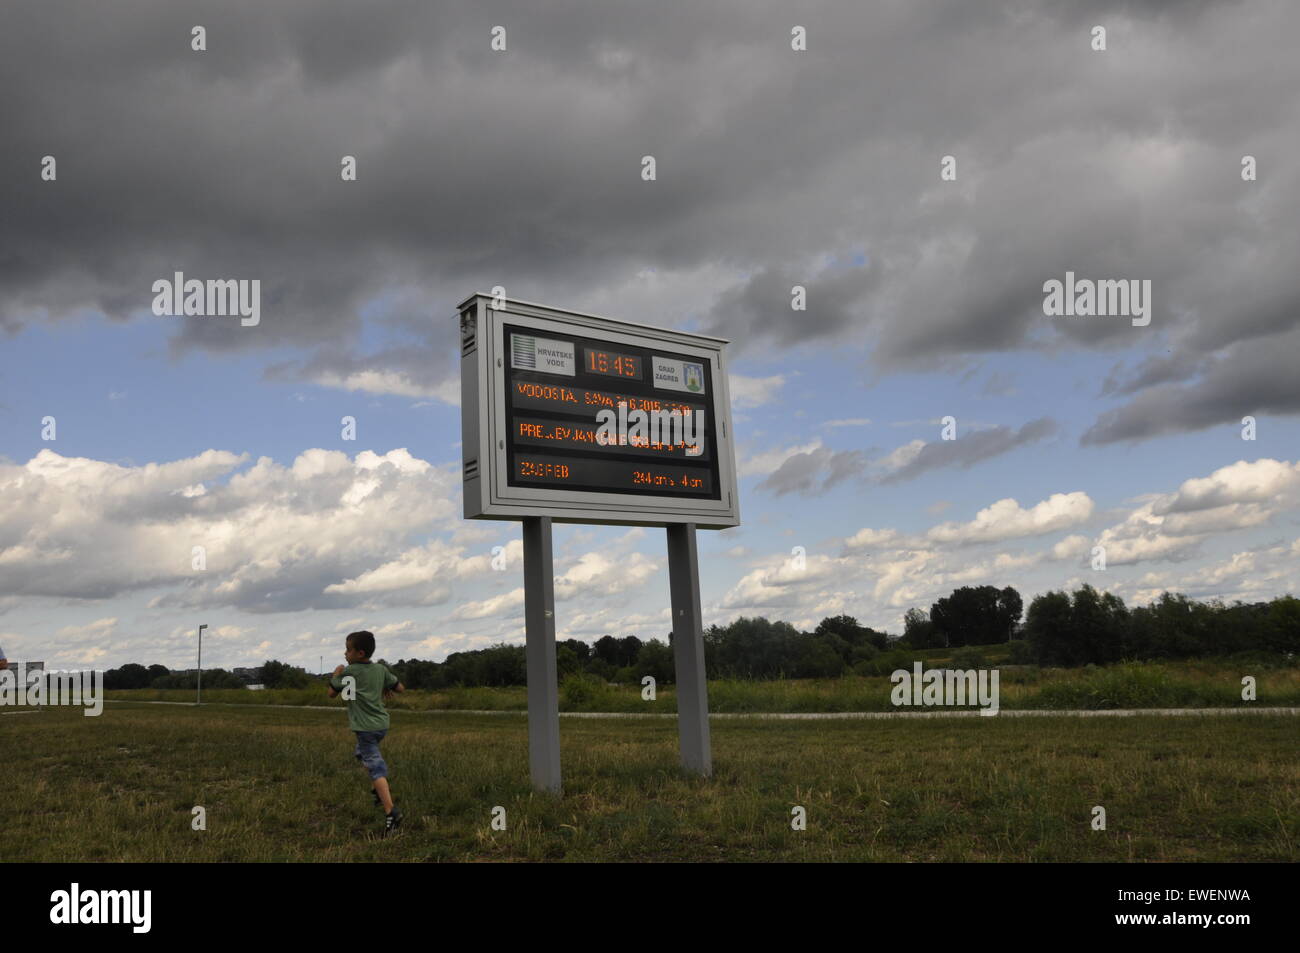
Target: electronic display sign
{"x": 589, "y": 419}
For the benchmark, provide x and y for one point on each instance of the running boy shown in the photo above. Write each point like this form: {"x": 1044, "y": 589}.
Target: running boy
{"x": 366, "y": 714}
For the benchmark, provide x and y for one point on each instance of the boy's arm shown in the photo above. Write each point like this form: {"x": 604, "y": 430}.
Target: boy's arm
{"x": 333, "y": 691}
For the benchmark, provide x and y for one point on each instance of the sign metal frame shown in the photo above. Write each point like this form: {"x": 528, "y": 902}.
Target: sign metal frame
{"x": 484, "y": 372}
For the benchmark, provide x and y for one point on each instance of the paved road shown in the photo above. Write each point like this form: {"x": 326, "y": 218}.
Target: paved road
{"x": 786, "y": 716}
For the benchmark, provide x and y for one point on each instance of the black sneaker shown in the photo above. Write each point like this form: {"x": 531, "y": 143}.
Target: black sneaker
{"x": 392, "y": 820}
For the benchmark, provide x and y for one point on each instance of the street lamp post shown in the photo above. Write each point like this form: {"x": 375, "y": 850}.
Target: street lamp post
{"x": 199, "y": 700}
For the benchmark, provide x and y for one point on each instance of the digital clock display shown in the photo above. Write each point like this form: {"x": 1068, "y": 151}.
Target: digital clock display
{"x": 589, "y": 416}
{"x": 613, "y": 364}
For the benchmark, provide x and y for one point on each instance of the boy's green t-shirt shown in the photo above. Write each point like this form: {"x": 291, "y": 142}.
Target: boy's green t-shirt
{"x": 366, "y": 712}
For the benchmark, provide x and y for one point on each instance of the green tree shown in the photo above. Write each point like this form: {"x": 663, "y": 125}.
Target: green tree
{"x": 130, "y": 675}
{"x": 752, "y": 648}
{"x": 580, "y": 649}
{"x": 277, "y": 674}
{"x": 820, "y": 658}
{"x": 1283, "y": 634}
{"x": 979, "y": 615}
{"x": 1047, "y": 629}
{"x": 566, "y": 661}
{"x": 1092, "y": 627}
{"x": 617, "y": 652}
{"x": 848, "y": 629}
{"x": 919, "y": 632}
{"x": 1098, "y": 626}
{"x": 655, "y": 659}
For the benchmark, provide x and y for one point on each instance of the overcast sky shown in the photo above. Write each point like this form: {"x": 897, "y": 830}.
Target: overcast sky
{"x": 522, "y": 168}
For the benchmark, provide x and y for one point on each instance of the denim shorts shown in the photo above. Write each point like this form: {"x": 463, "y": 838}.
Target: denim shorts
{"x": 368, "y": 753}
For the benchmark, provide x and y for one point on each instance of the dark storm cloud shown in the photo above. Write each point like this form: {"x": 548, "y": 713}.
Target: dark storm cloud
{"x": 814, "y": 472}
{"x": 1157, "y": 369}
{"x": 972, "y": 448}
{"x": 523, "y": 169}
{"x": 1258, "y": 377}
{"x": 762, "y": 306}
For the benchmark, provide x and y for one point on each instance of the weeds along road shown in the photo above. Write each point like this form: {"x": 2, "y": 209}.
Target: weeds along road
{"x": 787, "y": 716}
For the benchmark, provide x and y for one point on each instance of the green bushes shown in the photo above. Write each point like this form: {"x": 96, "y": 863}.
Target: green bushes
{"x": 1134, "y": 685}
{"x": 581, "y": 692}
{"x": 968, "y": 658}
{"x": 886, "y": 662}
{"x": 577, "y": 691}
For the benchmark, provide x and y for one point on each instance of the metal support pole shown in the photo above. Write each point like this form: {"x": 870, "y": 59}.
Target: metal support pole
{"x": 199, "y": 697}
{"x": 688, "y": 650}
{"x": 539, "y": 626}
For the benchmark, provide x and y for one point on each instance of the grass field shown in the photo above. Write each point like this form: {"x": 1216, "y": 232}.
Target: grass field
{"x": 280, "y": 784}
{"x": 1192, "y": 684}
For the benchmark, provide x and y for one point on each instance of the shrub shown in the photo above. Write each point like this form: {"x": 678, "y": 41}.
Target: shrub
{"x": 577, "y": 690}
{"x": 864, "y": 651}
{"x": 966, "y": 658}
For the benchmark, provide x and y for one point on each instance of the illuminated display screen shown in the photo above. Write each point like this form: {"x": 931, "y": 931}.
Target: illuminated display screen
{"x": 585, "y": 435}
{"x": 617, "y": 475}
{"x": 659, "y": 439}
{"x": 580, "y": 400}
{"x": 612, "y": 364}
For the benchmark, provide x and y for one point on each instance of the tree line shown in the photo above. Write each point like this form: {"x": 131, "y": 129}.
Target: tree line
{"x": 1091, "y": 627}
{"x": 1061, "y": 629}
{"x": 132, "y": 675}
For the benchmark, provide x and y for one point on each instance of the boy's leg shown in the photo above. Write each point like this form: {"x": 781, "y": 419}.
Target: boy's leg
{"x": 368, "y": 752}
{"x": 385, "y": 797}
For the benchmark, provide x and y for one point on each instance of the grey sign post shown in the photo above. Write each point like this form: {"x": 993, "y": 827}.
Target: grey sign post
{"x": 688, "y": 650}
{"x": 539, "y": 625}
{"x": 534, "y": 383}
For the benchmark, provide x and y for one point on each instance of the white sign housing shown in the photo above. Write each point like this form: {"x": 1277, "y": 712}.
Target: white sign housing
{"x": 533, "y": 380}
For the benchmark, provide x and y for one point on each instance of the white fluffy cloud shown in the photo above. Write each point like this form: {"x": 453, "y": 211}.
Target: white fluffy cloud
{"x": 599, "y": 575}
{"x": 781, "y": 582}
{"x": 753, "y": 391}
{"x": 1007, "y": 519}
{"x": 394, "y": 383}
{"x": 423, "y": 575}
{"x": 1264, "y": 481}
{"x": 274, "y": 538}
{"x": 1172, "y": 526}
